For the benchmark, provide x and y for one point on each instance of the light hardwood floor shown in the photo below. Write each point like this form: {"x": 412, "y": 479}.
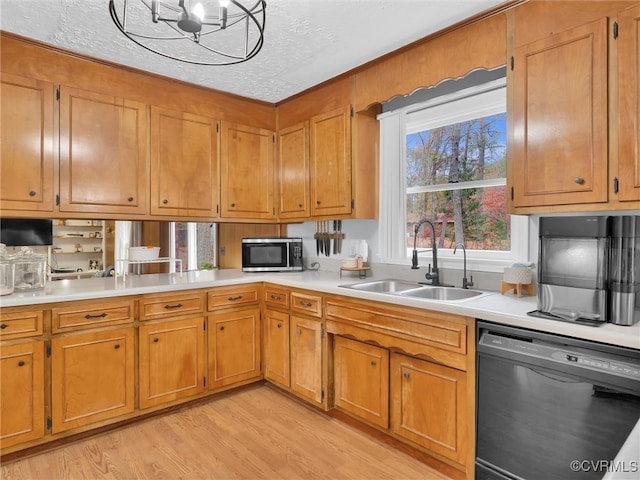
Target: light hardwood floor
{"x": 254, "y": 433}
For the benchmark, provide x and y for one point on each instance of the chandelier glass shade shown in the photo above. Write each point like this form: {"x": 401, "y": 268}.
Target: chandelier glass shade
{"x": 202, "y": 32}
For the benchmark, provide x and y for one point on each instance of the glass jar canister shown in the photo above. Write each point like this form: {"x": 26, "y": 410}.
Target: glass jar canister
{"x": 7, "y": 272}
{"x": 30, "y": 270}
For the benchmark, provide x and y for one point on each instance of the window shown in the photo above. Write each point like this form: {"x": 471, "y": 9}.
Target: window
{"x": 194, "y": 243}
{"x": 445, "y": 160}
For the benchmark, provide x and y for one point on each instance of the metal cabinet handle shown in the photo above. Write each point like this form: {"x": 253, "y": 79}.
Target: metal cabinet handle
{"x": 156, "y": 340}
{"x": 233, "y": 299}
{"x": 3, "y": 326}
{"x": 233, "y": 205}
{"x": 169, "y": 307}
{"x": 275, "y": 297}
{"x": 406, "y": 375}
{"x": 306, "y": 304}
{"x": 373, "y": 363}
{"x": 21, "y": 363}
{"x": 222, "y": 327}
{"x": 116, "y": 346}
{"x": 130, "y": 199}
{"x": 165, "y": 201}
{"x": 101, "y": 315}
{"x": 32, "y": 193}
{"x": 579, "y": 180}
{"x": 317, "y": 202}
{"x": 299, "y": 332}
{"x": 279, "y": 325}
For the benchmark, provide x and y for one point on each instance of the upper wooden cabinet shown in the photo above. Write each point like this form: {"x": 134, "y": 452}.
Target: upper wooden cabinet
{"x": 247, "y": 177}
{"x": 184, "y": 164}
{"x": 629, "y": 104}
{"x": 559, "y": 118}
{"x": 330, "y": 161}
{"x": 293, "y": 171}
{"x": 27, "y": 161}
{"x": 103, "y": 153}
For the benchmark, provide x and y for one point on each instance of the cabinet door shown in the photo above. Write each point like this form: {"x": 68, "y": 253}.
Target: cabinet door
{"x": 184, "y": 164}
{"x": 306, "y": 358}
{"x": 103, "y": 153}
{"x": 293, "y": 171}
{"x": 629, "y": 104}
{"x": 22, "y": 393}
{"x": 276, "y": 347}
{"x": 234, "y": 347}
{"x": 92, "y": 377}
{"x": 247, "y": 165}
{"x": 559, "y": 121}
{"x": 361, "y": 378}
{"x": 26, "y": 144}
{"x": 428, "y": 405}
{"x": 171, "y": 361}
{"x": 331, "y": 163}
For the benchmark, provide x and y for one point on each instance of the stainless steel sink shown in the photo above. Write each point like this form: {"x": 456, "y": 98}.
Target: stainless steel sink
{"x": 384, "y": 286}
{"x": 406, "y": 288}
{"x": 441, "y": 293}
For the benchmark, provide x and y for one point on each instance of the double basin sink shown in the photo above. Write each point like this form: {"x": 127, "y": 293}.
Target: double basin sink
{"x": 404, "y": 288}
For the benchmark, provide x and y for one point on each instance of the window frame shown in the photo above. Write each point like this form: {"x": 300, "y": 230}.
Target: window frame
{"x": 438, "y": 111}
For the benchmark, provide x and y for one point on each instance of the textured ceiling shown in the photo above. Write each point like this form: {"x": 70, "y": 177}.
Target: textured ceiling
{"x": 306, "y": 41}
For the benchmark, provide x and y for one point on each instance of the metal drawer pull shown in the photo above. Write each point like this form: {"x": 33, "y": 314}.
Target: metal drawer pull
{"x": 21, "y": 363}
{"x": 406, "y": 375}
{"x": 32, "y": 193}
{"x": 279, "y": 325}
{"x": 276, "y": 297}
{"x": 156, "y": 340}
{"x": 373, "y": 363}
{"x": 88, "y": 316}
{"x": 3, "y": 326}
{"x": 232, "y": 299}
{"x": 222, "y": 327}
{"x": 579, "y": 180}
{"x": 116, "y": 346}
{"x": 169, "y": 307}
{"x": 306, "y": 304}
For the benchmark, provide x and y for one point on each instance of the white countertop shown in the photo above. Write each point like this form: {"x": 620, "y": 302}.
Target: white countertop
{"x": 506, "y": 309}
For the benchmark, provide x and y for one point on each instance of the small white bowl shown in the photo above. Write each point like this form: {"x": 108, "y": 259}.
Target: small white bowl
{"x": 349, "y": 263}
{"x": 143, "y": 253}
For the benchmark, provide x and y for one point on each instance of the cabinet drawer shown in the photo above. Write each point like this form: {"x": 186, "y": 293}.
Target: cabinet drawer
{"x": 306, "y": 304}
{"x": 83, "y": 316}
{"x": 276, "y": 297}
{"x": 21, "y": 324}
{"x": 163, "y": 306}
{"x": 239, "y": 295}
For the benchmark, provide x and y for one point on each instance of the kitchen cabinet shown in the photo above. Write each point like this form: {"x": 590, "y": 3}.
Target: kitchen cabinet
{"x": 276, "y": 347}
{"x": 22, "y": 393}
{"x": 330, "y": 161}
{"x": 293, "y": 172}
{"x": 247, "y": 172}
{"x": 628, "y": 177}
{"x": 361, "y": 379}
{"x": 184, "y": 164}
{"x": 306, "y": 358}
{"x": 103, "y": 153}
{"x": 559, "y": 118}
{"x": 233, "y": 335}
{"x": 92, "y": 377}
{"x": 28, "y": 165}
{"x": 428, "y": 405}
{"x": 171, "y": 360}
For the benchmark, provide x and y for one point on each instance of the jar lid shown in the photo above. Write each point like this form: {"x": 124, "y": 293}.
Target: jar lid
{"x": 26, "y": 254}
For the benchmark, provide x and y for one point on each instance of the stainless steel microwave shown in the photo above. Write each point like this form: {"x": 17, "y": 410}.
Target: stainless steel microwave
{"x": 271, "y": 254}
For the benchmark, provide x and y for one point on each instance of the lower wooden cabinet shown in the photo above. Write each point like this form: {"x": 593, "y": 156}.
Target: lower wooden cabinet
{"x": 171, "y": 360}
{"x": 234, "y": 347}
{"x": 92, "y": 377}
{"x": 22, "y": 393}
{"x": 276, "y": 347}
{"x": 306, "y": 358}
{"x": 361, "y": 376}
{"x": 428, "y": 405}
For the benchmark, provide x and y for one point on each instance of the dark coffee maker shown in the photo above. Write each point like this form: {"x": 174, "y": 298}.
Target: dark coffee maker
{"x": 624, "y": 281}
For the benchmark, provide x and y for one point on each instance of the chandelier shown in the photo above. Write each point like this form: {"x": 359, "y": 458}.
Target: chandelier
{"x": 203, "y": 32}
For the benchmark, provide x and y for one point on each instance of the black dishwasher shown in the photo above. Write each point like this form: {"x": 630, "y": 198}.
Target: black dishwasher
{"x": 552, "y": 407}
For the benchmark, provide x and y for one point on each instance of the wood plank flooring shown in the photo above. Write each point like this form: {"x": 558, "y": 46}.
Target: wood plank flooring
{"x": 254, "y": 433}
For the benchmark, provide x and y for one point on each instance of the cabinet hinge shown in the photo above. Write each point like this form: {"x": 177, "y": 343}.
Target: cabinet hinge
{"x": 217, "y": 209}
{"x": 48, "y": 350}
{"x": 615, "y": 30}
{"x": 513, "y": 63}
{"x": 616, "y": 185}
{"x": 512, "y": 193}
{"x": 351, "y": 112}
{"x": 204, "y": 380}
{"x": 274, "y": 138}
{"x": 57, "y": 93}
{"x": 322, "y": 395}
{"x": 49, "y": 423}
{"x": 322, "y": 331}
{"x": 204, "y": 324}
{"x": 57, "y": 199}
{"x": 353, "y": 204}
{"x": 218, "y": 127}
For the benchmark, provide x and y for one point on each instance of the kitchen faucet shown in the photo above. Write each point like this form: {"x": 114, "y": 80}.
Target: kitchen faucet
{"x": 432, "y": 274}
{"x": 465, "y": 282}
